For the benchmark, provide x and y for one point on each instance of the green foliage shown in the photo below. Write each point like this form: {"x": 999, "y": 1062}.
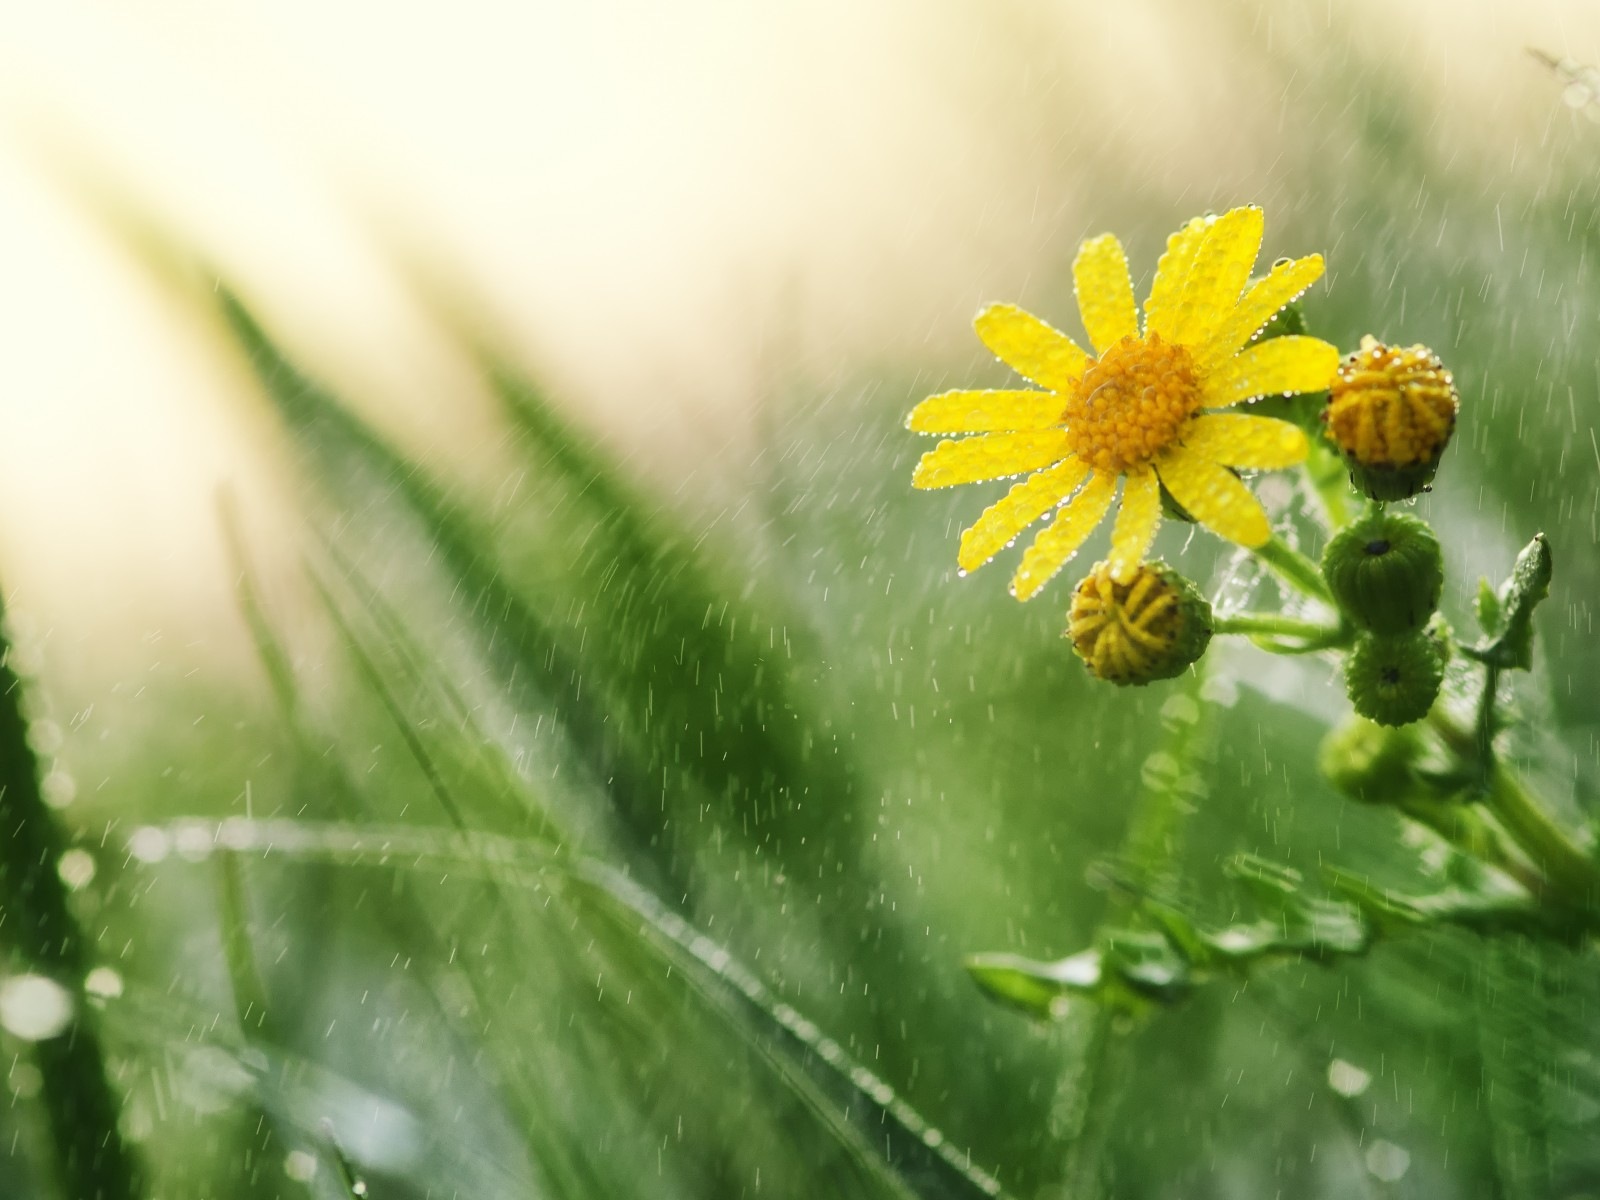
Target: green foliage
{"x": 1507, "y": 618}
{"x": 825, "y": 1118}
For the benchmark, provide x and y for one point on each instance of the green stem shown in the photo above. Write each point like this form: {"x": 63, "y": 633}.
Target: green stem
{"x": 1569, "y": 867}
{"x": 1150, "y": 847}
{"x": 1312, "y": 635}
{"x": 1094, "y": 1105}
{"x": 1485, "y": 715}
{"x": 1326, "y": 473}
{"x": 43, "y": 937}
{"x": 1294, "y": 568}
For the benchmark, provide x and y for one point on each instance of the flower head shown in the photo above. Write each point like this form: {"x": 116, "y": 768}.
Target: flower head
{"x": 1394, "y": 680}
{"x": 1151, "y": 627}
{"x": 1385, "y": 572}
{"x": 1391, "y": 411}
{"x": 1136, "y": 413}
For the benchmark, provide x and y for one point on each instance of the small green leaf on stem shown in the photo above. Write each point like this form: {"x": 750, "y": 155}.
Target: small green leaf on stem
{"x": 1512, "y": 647}
{"x": 1487, "y": 608}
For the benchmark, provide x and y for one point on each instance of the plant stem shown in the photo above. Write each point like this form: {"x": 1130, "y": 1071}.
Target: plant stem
{"x": 1485, "y": 715}
{"x": 1150, "y": 846}
{"x": 1325, "y": 471}
{"x": 1094, "y": 1107}
{"x": 1316, "y": 635}
{"x": 1294, "y": 568}
{"x": 1569, "y": 867}
{"x": 44, "y": 938}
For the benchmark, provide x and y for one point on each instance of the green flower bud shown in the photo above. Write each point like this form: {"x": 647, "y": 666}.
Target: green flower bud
{"x": 1385, "y": 571}
{"x": 1394, "y": 680}
{"x": 1150, "y": 628}
{"x": 1370, "y": 763}
{"x": 1391, "y": 412}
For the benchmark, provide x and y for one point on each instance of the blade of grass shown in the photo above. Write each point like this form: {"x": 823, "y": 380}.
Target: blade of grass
{"x": 44, "y": 938}
{"x": 842, "y": 1093}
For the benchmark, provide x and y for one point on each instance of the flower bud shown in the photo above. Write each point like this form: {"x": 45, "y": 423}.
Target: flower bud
{"x": 1391, "y": 411}
{"x": 1394, "y": 680}
{"x": 1385, "y": 572}
{"x": 1150, "y": 628}
{"x": 1369, "y": 763}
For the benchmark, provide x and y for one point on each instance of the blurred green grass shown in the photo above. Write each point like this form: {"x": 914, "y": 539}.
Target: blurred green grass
{"x": 846, "y": 769}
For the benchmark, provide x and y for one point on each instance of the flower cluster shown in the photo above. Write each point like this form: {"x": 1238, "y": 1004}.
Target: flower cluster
{"x": 1148, "y": 410}
{"x": 1155, "y": 411}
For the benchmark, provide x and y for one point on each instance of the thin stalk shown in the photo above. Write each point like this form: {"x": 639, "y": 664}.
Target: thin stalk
{"x": 1312, "y": 635}
{"x": 1294, "y": 568}
{"x": 1094, "y": 1107}
{"x": 1151, "y": 844}
{"x": 1569, "y": 867}
{"x": 1484, "y": 717}
{"x": 1325, "y": 471}
{"x": 43, "y": 937}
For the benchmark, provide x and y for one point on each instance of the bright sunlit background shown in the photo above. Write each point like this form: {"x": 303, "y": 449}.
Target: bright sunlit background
{"x": 672, "y": 215}
{"x": 731, "y": 243}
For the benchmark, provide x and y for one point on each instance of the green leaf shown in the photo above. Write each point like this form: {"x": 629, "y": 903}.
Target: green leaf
{"x": 882, "y": 1135}
{"x": 1529, "y": 584}
{"x": 1485, "y": 900}
{"x": 1130, "y": 968}
{"x": 1486, "y": 606}
{"x": 1038, "y": 987}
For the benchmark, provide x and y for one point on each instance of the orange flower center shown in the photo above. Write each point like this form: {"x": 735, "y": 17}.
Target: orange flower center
{"x": 1132, "y": 403}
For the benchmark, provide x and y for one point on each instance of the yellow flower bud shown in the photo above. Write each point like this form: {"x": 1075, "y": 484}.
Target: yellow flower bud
{"x": 1391, "y": 412}
{"x": 1150, "y": 628}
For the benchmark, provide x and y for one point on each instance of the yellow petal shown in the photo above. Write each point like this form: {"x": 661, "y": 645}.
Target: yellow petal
{"x": 1023, "y": 505}
{"x": 985, "y": 412}
{"x": 1239, "y": 440}
{"x": 1216, "y": 278}
{"x": 1062, "y": 539}
{"x": 1272, "y": 367}
{"x": 1166, "y": 292}
{"x": 1265, "y": 299}
{"x": 1137, "y": 522}
{"x": 996, "y": 456}
{"x": 1105, "y": 292}
{"x": 1030, "y": 347}
{"x": 1213, "y": 496}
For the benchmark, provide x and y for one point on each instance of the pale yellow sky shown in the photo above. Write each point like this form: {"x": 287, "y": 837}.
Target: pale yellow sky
{"x": 664, "y": 211}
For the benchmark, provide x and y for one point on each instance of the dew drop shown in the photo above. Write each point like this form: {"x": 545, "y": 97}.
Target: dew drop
{"x": 1347, "y": 1079}
{"x": 44, "y": 737}
{"x": 300, "y": 1166}
{"x": 58, "y": 789}
{"x": 34, "y": 1008}
{"x": 76, "y": 868}
{"x": 149, "y": 844}
{"x": 104, "y": 983}
{"x": 1387, "y": 1161}
{"x": 193, "y": 842}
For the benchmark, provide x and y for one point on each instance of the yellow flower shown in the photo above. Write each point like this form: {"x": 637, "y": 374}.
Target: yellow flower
{"x": 1137, "y": 412}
